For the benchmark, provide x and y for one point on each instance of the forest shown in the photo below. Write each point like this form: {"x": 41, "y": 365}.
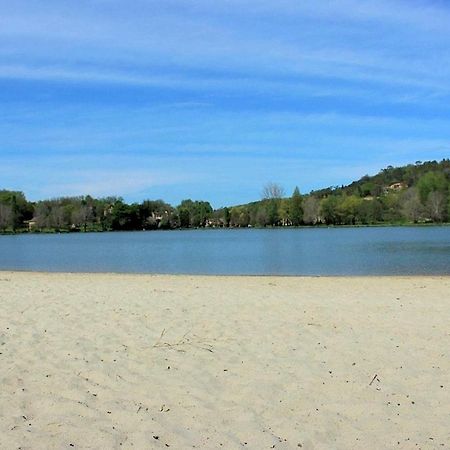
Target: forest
{"x": 413, "y": 194}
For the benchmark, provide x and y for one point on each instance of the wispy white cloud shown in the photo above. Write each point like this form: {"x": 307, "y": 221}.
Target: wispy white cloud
{"x": 68, "y": 176}
{"x": 108, "y": 182}
{"x": 153, "y": 36}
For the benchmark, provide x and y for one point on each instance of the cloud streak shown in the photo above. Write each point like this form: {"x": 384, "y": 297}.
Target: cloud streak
{"x": 153, "y": 36}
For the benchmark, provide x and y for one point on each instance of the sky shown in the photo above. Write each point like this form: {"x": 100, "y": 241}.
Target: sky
{"x": 211, "y": 100}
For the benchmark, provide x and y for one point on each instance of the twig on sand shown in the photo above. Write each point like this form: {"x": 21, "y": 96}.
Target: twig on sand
{"x": 373, "y": 379}
{"x": 185, "y": 340}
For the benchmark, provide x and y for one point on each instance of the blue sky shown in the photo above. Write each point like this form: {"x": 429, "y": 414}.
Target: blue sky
{"x": 212, "y": 99}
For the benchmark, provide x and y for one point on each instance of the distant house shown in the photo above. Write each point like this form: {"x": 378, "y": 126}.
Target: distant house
{"x": 214, "y": 223}
{"x": 397, "y": 186}
{"x": 108, "y": 210}
{"x": 31, "y": 224}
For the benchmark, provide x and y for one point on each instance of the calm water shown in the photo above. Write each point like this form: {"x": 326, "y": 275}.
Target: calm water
{"x": 315, "y": 251}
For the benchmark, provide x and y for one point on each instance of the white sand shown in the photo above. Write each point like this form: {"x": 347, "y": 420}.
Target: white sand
{"x": 245, "y": 362}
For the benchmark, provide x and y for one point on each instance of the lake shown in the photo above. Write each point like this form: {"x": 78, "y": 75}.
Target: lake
{"x": 289, "y": 251}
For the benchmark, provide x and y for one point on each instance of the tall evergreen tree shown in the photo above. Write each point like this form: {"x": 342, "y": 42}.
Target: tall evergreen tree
{"x": 296, "y": 209}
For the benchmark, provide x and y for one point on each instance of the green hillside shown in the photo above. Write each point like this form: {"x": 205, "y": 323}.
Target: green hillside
{"x": 416, "y": 193}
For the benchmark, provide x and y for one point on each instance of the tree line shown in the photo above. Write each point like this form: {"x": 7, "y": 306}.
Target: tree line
{"x": 416, "y": 193}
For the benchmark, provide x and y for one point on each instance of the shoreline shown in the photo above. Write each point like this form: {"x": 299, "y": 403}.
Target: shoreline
{"x": 156, "y": 361}
{"x": 220, "y": 276}
{"x": 290, "y": 227}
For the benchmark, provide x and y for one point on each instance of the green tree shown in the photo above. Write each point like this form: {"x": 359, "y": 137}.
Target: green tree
{"x": 370, "y": 211}
{"x": 391, "y": 206}
{"x": 328, "y": 209}
{"x": 284, "y": 211}
{"x": 431, "y": 182}
{"x": 296, "y": 207}
{"x": 185, "y": 217}
{"x": 368, "y": 188}
{"x": 21, "y": 209}
{"x": 226, "y": 217}
{"x": 125, "y": 217}
{"x": 273, "y": 216}
{"x": 199, "y": 211}
{"x": 261, "y": 217}
{"x": 347, "y": 209}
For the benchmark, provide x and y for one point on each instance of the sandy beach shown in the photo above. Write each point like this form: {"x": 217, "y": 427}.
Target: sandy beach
{"x": 104, "y": 361}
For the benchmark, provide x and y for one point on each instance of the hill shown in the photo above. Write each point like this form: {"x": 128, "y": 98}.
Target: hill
{"x": 415, "y": 193}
